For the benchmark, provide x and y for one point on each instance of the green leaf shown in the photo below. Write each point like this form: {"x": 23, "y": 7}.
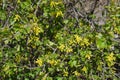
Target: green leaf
{"x": 73, "y": 63}
{"x": 59, "y": 78}
{"x": 2, "y": 15}
{"x": 118, "y": 55}
{"x": 101, "y": 41}
{"x": 50, "y": 69}
{"x": 45, "y": 14}
{"x": 48, "y": 78}
{"x": 66, "y": 21}
{"x": 18, "y": 48}
{"x": 1, "y": 55}
{"x": 26, "y": 79}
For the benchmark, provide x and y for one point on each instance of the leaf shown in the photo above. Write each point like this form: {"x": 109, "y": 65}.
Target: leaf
{"x": 44, "y": 2}
{"x": 59, "y": 78}
{"x": 66, "y": 21}
{"x": 118, "y": 55}
{"x": 26, "y": 5}
{"x": 72, "y": 63}
{"x": 51, "y": 43}
{"x": 51, "y": 69}
{"x": 1, "y": 55}
{"x": 6, "y": 41}
{"x": 18, "y": 48}
{"x": 26, "y": 79}
{"x": 2, "y": 15}
{"x": 99, "y": 68}
{"x": 101, "y": 41}
{"x": 45, "y": 14}
{"x": 45, "y": 76}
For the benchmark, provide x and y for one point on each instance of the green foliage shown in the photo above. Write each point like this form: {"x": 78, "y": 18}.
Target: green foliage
{"x": 38, "y": 42}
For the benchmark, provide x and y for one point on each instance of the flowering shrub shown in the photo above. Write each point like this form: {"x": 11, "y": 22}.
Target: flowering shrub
{"x": 37, "y": 42}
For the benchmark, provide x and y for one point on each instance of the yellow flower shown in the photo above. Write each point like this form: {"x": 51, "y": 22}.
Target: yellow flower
{"x": 78, "y": 38}
{"x": 84, "y": 69}
{"x": 53, "y": 3}
{"x": 76, "y": 73}
{"x": 17, "y": 17}
{"x": 117, "y": 30}
{"x": 86, "y": 41}
{"x": 18, "y": 58}
{"x": 36, "y": 29}
{"x": 52, "y": 62}
{"x": 81, "y": 24}
{"x": 99, "y": 68}
{"x": 68, "y": 50}
{"x": 61, "y": 47}
{"x": 59, "y": 13}
{"x": 71, "y": 42}
{"x": 65, "y": 73}
{"x": 18, "y": 1}
{"x": 82, "y": 44}
{"x": 39, "y": 62}
{"x": 6, "y": 67}
{"x": 110, "y": 57}
{"x": 88, "y": 55}
{"x": 33, "y": 39}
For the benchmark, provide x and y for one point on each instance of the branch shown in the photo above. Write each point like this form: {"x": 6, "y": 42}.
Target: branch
{"x": 36, "y": 10}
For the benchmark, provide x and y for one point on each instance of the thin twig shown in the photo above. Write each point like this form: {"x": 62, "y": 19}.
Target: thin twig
{"x": 37, "y": 7}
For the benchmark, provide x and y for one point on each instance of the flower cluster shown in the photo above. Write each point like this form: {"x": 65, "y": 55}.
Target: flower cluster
{"x": 85, "y": 42}
{"x": 64, "y": 48}
{"x": 81, "y": 41}
{"x": 88, "y": 55}
{"x": 68, "y": 50}
{"x": 17, "y": 17}
{"x": 18, "y": 1}
{"x": 52, "y": 62}
{"x": 53, "y": 3}
{"x": 59, "y": 13}
{"x": 61, "y": 47}
{"x": 55, "y": 6}
{"x": 84, "y": 69}
{"x": 110, "y": 59}
{"x": 78, "y": 38}
{"x": 76, "y": 73}
{"x": 36, "y": 29}
{"x": 39, "y": 62}
{"x": 33, "y": 39}
{"x": 65, "y": 73}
